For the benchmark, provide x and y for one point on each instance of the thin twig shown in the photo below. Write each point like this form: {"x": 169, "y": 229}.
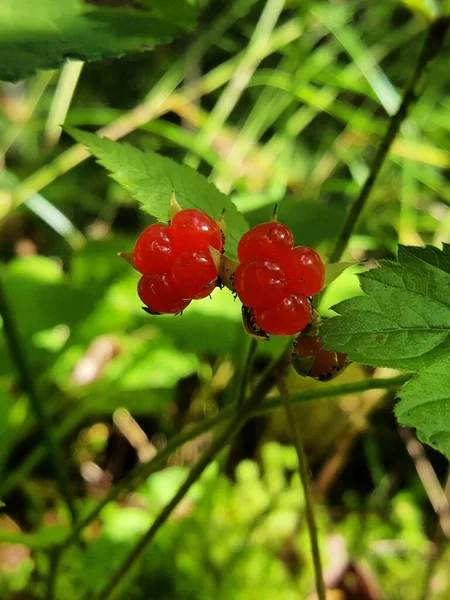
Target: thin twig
{"x": 266, "y": 383}
{"x": 429, "y": 479}
{"x": 433, "y": 43}
{"x": 18, "y": 357}
{"x": 306, "y": 483}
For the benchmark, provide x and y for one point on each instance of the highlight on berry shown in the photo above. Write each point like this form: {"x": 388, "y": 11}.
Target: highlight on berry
{"x": 276, "y": 280}
{"x": 183, "y": 261}
{"x": 176, "y": 261}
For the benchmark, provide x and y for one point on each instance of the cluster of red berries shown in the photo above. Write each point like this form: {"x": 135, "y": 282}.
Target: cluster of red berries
{"x": 276, "y": 280}
{"x": 312, "y": 360}
{"x": 176, "y": 262}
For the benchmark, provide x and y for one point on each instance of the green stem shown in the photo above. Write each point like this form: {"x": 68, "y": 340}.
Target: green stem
{"x": 37, "y": 404}
{"x": 54, "y": 558}
{"x": 306, "y": 483}
{"x": 266, "y": 383}
{"x": 246, "y": 371}
{"x": 141, "y": 472}
{"x": 434, "y": 41}
{"x": 62, "y": 98}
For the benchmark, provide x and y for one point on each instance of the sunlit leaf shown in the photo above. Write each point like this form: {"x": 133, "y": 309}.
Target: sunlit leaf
{"x": 403, "y": 321}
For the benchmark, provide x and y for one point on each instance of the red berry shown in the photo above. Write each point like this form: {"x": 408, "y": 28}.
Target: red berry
{"x": 324, "y": 366}
{"x": 194, "y": 274}
{"x": 159, "y": 293}
{"x": 304, "y": 270}
{"x": 265, "y": 241}
{"x": 260, "y": 283}
{"x": 307, "y": 346}
{"x": 194, "y": 230}
{"x": 290, "y": 316}
{"x": 152, "y": 251}
{"x": 342, "y": 359}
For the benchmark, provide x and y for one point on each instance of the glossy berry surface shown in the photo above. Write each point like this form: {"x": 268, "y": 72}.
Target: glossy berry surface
{"x": 159, "y": 293}
{"x": 304, "y": 270}
{"x": 152, "y": 251}
{"x": 265, "y": 241}
{"x": 192, "y": 229}
{"x": 288, "y": 317}
{"x": 260, "y": 283}
{"x": 194, "y": 274}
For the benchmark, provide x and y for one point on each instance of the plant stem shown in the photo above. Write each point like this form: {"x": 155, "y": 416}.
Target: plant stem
{"x": 54, "y": 558}
{"x": 142, "y": 471}
{"x": 67, "y": 83}
{"x": 246, "y": 371}
{"x": 37, "y": 404}
{"x": 265, "y": 384}
{"x": 331, "y": 391}
{"x": 304, "y": 477}
{"x": 433, "y": 43}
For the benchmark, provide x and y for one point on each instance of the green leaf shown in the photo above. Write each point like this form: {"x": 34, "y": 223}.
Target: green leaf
{"x": 335, "y": 270}
{"x": 41, "y": 35}
{"x": 152, "y": 178}
{"x": 403, "y": 321}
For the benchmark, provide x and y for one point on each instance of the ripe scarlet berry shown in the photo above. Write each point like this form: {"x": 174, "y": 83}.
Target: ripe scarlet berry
{"x": 304, "y": 270}
{"x": 194, "y": 274}
{"x": 260, "y": 283}
{"x": 265, "y": 241}
{"x": 288, "y": 317}
{"x": 152, "y": 251}
{"x": 192, "y": 229}
{"x": 159, "y": 293}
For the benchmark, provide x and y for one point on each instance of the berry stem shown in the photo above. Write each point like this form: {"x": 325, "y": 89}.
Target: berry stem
{"x": 174, "y": 206}
{"x": 306, "y": 483}
{"x": 18, "y": 357}
{"x": 434, "y": 41}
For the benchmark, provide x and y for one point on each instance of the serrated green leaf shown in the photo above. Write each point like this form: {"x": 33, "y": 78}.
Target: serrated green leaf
{"x": 41, "y": 35}
{"x": 403, "y": 321}
{"x": 152, "y": 178}
{"x": 425, "y": 404}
